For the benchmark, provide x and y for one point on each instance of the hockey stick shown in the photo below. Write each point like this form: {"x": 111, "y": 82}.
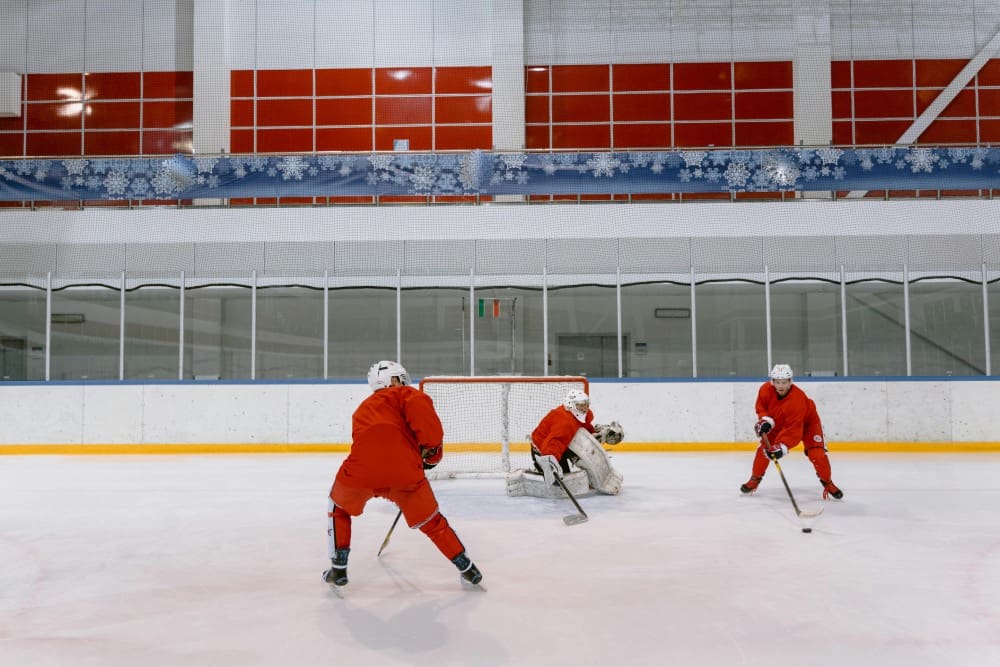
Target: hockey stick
{"x": 798, "y": 512}
{"x": 571, "y": 519}
{"x": 385, "y": 542}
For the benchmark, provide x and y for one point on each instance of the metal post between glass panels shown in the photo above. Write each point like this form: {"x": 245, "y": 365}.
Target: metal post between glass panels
{"x": 253, "y": 325}
{"x": 121, "y": 329}
{"x": 180, "y": 332}
{"x": 986, "y": 322}
{"x": 767, "y": 315}
{"x": 906, "y": 319}
{"x": 843, "y": 316}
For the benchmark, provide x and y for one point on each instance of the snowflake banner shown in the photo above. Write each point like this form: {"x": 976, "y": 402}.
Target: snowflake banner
{"x": 486, "y": 173}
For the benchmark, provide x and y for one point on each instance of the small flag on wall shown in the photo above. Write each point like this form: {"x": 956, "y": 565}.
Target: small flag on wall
{"x": 495, "y": 307}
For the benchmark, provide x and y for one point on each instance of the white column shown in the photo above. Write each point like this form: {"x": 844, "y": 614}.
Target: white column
{"x": 508, "y": 75}
{"x": 211, "y": 78}
{"x": 811, "y": 73}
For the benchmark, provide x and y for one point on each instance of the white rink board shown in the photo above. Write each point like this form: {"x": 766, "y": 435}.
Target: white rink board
{"x": 655, "y": 412}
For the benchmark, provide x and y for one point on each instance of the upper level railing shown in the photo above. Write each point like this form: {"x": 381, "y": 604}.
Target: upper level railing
{"x": 475, "y": 174}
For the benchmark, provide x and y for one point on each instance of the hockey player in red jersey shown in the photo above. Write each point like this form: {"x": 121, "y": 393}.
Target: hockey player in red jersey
{"x": 396, "y": 436}
{"x": 787, "y": 417}
{"x": 553, "y": 434}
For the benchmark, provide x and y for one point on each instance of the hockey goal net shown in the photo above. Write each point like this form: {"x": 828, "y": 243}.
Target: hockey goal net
{"x": 488, "y": 420}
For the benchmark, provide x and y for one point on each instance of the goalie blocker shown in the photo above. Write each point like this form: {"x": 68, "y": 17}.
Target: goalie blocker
{"x": 595, "y": 474}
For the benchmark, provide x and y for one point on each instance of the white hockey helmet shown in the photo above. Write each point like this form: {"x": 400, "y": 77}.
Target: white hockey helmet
{"x": 577, "y": 402}
{"x": 381, "y": 373}
{"x": 781, "y": 372}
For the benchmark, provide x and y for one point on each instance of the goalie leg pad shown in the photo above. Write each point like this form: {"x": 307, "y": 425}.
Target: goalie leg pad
{"x": 594, "y": 461}
{"x": 530, "y": 483}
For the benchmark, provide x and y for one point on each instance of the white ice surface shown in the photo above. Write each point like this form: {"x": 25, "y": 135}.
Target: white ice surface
{"x": 215, "y": 560}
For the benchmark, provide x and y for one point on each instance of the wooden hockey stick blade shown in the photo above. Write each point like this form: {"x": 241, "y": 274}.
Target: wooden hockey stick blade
{"x": 574, "y": 519}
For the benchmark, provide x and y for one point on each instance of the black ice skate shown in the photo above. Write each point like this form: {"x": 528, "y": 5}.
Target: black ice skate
{"x": 337, "y": 575}
{"x": 467, "y": 568}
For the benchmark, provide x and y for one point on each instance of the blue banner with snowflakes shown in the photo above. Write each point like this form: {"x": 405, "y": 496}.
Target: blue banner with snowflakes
{"x": 488, "y": 173}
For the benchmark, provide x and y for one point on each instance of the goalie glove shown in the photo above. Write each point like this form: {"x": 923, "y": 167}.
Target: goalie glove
{"x": 609, "y": 434}
{"x": 431, "y": 456}
{"x": 550, "y": 468}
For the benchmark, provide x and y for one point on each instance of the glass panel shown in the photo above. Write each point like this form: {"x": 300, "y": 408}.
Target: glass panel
{"x": 289, "y": 333}
{"x": 658, "y": 320}
{"x": 993, "y": 297}
{"x": 946, "y": 328}
{"x": 86, "y": 329}
{"x": 509, "y": 332}
{"x": 152, "y": 333}
{"x": 362, "y": 331}
{"x": 806, "y": 331}
{"x": 435, "y": 327}
{"x": 22, "y": 334}
{"x": 732, "y": 334}
{"x": 583, "y": 332}
{"x": 876, "y": 334}
{"x": 217, "y": 333}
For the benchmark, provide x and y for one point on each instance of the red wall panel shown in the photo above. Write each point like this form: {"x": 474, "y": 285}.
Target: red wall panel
{"x": 113, "y": 86}
{"x": 843, "y": 133}
{"x": 765, "y": 134}
{"x": 466, "y": 109}
{"x": 284, "y": 112}
{"x": 458, "y": 80}
{"x": 54, "y": 116}
{"x": 989, "y": 131}
{"x": 757, "y": 75}
{"x": 536, "y": 109}
{"x": 54, "y": 87}
{"x": 420, "y": 138}
{"x": 403, "y": 81}
{"x": 641, "y": 136}
{"x": 641, "y": 77}
{"x": 702, "y": 76}
{"x": 597, "y": 137}
{"x": 883, "y": 73}
{"x": 343, "y": 82}
{"x": 403, "y": 110}
{"x": 703, "y": 134}
{"x": 879, "y": 131}
{"x": 840, "y": 74}
{"x": 580, "y": 108}
{"x": 989, "y": 75}
{"x": 284, "y": 83}
{"x": 173, "y": 85}
{"x": 702, "y": 106}
{"x": 164, "y": 142}
{"x": 344, "y": 111}
{"x": 241, "y": 83}
{"x": 764, "y": 105}
{"x": 580, "y": 78}
{"x": 112, "y": 115}
{"x": 643, "y": 106}
{"x": 53, "y": 143}
{"x": 950, "y": 132}
{"x": 841, "y": 102}
{"x": 939, "y": 73}
{"x": 989, "y": 102}
{"x": 111, "y": 143}
{"x": 344, "y": 139}
{"x": 11, "y": 145}
{"x": 883, "y": 104}
{"x": 536, "y": 137}
{"x": 240, "y": 114}
{"x": 536, "y": 79}
{"x": 463, "y": 137}
{"x": 284, "y": 141}
{"x": 240, "y": 141}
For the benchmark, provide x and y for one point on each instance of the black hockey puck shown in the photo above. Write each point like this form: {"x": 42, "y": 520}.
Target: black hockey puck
{"x": 807, "y": 530}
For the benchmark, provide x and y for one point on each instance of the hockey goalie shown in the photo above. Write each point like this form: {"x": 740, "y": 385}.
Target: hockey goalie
{"x": 567, "y": 444}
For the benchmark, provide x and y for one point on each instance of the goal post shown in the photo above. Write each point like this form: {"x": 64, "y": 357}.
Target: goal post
{"x": 487, "y": 420}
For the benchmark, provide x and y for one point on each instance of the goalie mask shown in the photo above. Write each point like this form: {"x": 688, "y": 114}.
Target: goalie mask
{"x": 578, "y": 403}
{"x": 381, "y": 373}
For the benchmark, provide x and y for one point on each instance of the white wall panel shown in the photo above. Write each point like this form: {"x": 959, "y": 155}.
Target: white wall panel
{"x": 840, "y": 30}
{"x": 882, "y": 30}
{"x": 114, "y": 36}
{"x": 973, "y": 411}
{"x": 851, "y": 411}
{"x": 987, "y": 22}
{"x": 765, "y": 29}
{"x": 581, "y": 32}
{"x": 538, "y": 32}
{"x": 943, "y": 29}
{"x": 463, "y": 34}
{"x": 168, "y": 35}
{"x": 702, "y": 31}
{"x": 322, "y": 413}
{"x": 56, "y": 31}
{"x": 918, "y": 411}
{"x": 345, "y": 34}
{"x": 285, "y": 34}
{"x": 641, "y": 31}
{"x": 112, "y": 417}
{"x": 240, "y": 33}
{"x": 13, "y": 46}
{"x": 404, "y": 33}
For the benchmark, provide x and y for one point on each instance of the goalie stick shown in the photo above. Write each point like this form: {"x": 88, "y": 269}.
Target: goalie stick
{"x": 385, "y": 542}
{"x": 571, "y": 519}
{"x": 798, "y": 512}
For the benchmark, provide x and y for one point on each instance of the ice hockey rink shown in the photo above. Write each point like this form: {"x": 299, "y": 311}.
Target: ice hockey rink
{"x": 215, "y": 560}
